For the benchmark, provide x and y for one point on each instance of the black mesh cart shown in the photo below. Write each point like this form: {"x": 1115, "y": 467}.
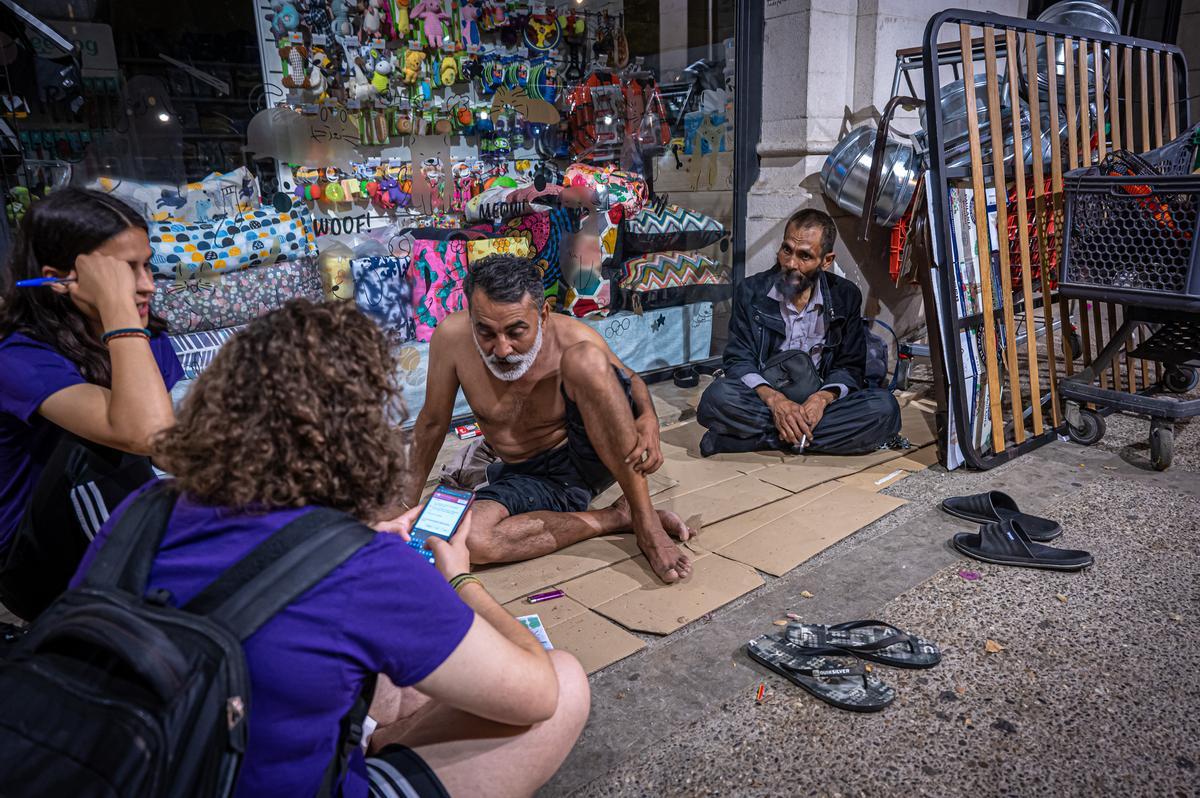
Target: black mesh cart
{"x": 1132, "y": 241}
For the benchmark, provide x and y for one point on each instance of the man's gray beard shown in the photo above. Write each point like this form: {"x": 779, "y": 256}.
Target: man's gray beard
{"x": 522, "y": 362}
{"x": 789, "y": 289}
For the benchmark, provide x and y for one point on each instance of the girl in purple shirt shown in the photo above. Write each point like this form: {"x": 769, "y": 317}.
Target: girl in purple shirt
{"x": 85, "y": 374}
{"x": 300, "y": 410}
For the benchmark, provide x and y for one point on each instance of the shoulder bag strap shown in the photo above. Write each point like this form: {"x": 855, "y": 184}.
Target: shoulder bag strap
{"x": 125, "y": 559}
{"x": 280, "y": 569}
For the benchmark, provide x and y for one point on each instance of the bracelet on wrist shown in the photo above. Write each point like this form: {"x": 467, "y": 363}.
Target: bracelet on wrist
{"x": 464, "y": 579}
{"x": 125, "y": 332}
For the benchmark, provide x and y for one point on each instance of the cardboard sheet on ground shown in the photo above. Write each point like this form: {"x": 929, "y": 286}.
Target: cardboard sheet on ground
{"x": 917, "y": 424}
{"x": 507, "y": 582}
{"x": 777, "y": 546}
{"x": 630, "y": 594}
{"x": 572, "y": 627}
{"x": 687, "y": 437}
{"x": 884, "y": 475}
{"x": 722, "y": 500}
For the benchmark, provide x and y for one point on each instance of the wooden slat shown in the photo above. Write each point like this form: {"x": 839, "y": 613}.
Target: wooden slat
{"x": 1101, "y": 117}
{"x": 1145, "y": 99}
{"x": 1114, "y": 91}
{"x": 1056, "y": 201}
{"x": 981, "y": 229}
{"x": 1085, "y": 115}
{"x": 1127, "y": 57}
{"x": 1124, "y": 364}
{"x": 1000, "y": 181}
{"x": 1039, "y": 214}
{"x": 1127, "y": 69}
{"x": 1072, "y": 116}
{"x": 1172, "y": 111}
{"x": 1098, "y": 337}
{"x": 1156, "y": 72}
{"x": 1117, "y": 376}
{"x": 1091, "y": 343}
{"x": 1035, "y": 140}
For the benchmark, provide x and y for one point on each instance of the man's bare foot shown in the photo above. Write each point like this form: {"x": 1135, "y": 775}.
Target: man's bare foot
{"x": 675, "y": 526}
{"x": 668, "y": 562}
{"x": 672, "y": 523}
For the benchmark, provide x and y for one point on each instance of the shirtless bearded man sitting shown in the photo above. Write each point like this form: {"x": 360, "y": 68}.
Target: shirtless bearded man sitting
{"x": 565, "y": 416}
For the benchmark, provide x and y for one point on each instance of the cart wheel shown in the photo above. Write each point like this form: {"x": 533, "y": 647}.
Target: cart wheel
{"x": 1180, "y": 379}
{"x": 1090, "y": 430}
{"x": 1076, "y": 345}
{"x": 1162, "y": 444}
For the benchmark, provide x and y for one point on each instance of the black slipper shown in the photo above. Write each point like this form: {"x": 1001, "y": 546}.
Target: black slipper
{"x": 1007, "y": 543}
{"x": 836, "y": 680}
{"x": 874, "y": 641}
{"x": 995, "y": 506}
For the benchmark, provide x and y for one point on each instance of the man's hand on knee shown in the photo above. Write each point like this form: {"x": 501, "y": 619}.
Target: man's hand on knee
{"x": 646, "y": 456}
{"x": 790, "y": 419}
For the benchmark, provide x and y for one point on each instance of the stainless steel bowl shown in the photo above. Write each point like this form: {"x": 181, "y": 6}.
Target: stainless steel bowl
{"x": 1082, "y": 15}
{"x": 956, "y": 134}
{"x": 848, "y": 167}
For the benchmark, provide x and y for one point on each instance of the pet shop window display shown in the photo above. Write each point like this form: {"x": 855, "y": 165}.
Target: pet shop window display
{"x": 488, "y": 77}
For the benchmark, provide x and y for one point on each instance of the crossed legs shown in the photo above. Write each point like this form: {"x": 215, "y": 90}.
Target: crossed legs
{"x": 590, "y": 383}
{"x": 475, "y": 756}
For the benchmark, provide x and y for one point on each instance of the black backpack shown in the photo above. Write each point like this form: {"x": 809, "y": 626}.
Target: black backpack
{"x": 116, "y": 693}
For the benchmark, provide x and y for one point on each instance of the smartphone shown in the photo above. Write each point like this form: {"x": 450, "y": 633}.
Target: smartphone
{"x": 443, "y": 514}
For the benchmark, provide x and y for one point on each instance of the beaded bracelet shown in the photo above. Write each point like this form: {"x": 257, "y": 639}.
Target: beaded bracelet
{"x": 464, "y": 579}
{"x": 125, "y": 332}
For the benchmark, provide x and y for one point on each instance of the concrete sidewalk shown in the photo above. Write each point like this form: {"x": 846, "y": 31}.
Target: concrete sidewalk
{"x": 1096, "y": 690}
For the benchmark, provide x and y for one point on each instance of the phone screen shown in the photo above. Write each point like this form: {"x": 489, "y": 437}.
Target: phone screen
{"x": 444, "y": 512}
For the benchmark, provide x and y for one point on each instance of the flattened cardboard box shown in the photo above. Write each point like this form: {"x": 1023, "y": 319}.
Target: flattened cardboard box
{"x": 687, "y": 437}
{"x": 779, "y": 545}
{"x": 507, "y": 582}
{"x": 630, "y": 594}
{"x": 572, "y": 627}
{"x": 884, "y": 475}
{"x": 722, "y": 500}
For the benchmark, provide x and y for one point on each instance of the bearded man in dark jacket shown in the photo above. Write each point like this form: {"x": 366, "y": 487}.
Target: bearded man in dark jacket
{"x": 797, "y": 308}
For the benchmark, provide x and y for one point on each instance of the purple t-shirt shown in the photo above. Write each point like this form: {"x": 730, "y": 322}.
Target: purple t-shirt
{"x": 384, "y": 610}
{"x": 30, "y": 373}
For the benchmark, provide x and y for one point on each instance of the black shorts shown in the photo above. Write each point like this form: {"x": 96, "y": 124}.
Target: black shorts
{"x": 562, "y": 480}
{"x": 397, "y": 772}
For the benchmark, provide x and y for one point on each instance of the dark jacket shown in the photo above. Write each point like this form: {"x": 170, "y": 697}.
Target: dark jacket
{"x": 756, "y": 330}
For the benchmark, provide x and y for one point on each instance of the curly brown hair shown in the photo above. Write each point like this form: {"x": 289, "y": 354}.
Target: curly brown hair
{"x": 300, "y": 408}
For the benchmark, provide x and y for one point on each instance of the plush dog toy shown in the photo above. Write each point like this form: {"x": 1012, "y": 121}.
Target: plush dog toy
{"x": 412, "y": 66}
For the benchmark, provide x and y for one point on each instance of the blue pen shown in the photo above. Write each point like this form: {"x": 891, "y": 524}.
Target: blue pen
{"x": 40, "y": 281}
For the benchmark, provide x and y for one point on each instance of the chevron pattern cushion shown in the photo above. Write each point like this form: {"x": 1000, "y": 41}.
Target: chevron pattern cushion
{"x": 670, "y": 228}
{"x": 668, "y": 279}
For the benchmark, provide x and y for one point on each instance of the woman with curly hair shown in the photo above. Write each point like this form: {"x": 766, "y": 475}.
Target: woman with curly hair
{"x": 276, "y": 427}
{"x": 85, "y": 374}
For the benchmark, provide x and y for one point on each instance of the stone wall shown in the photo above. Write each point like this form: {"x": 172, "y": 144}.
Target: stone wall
{"x": 827, "y": 66}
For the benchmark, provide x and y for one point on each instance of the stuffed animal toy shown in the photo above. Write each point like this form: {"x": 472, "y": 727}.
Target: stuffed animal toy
{"x": 284, "y": 18}
{"x": 468, "y": 14}
{"x": 295, "y": 57}
{"x": 381, "y": 80}
{"x": 400, "y": 20}
{"x": 360, "y": 87}
{"x": 341, "y": 18}
{"x": 372, "y": 20}
{"x": 448, "y": 71}
{"x": 412, "y": 66}
{"x": 433, "y": 15}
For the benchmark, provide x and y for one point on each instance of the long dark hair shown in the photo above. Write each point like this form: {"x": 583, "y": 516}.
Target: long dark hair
{"x": 55, "y": 231}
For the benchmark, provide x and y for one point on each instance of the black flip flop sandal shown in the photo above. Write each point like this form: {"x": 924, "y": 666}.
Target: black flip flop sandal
{"x": 995, "y": 506}
{"x": 1007, "y": 543}
{"x": 845, "y": 684}
{"x": 874, "y": 641}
